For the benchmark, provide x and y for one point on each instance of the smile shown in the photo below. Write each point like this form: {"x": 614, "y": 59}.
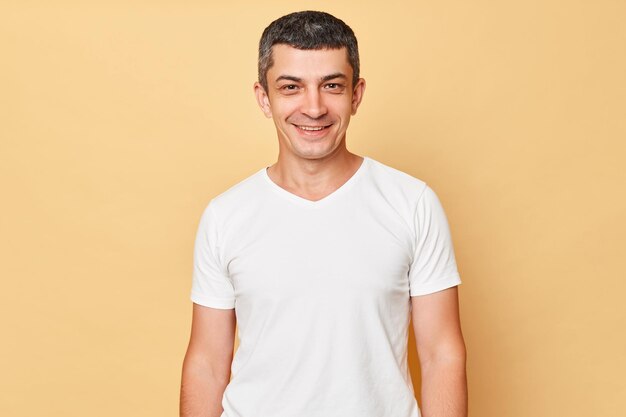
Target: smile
{"x": 312, "y": 128}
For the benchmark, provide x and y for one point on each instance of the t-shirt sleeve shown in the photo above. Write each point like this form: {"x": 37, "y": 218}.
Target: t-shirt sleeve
{"x": 433, "y": 267}
{"x": 211, "y": 285}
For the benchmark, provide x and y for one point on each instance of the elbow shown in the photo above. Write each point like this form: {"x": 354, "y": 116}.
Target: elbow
{"x": 448, "y": 355}
{"x": 200, "y": 366}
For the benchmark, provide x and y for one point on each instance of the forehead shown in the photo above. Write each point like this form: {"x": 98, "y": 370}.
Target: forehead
{"x": 310, "y": 63}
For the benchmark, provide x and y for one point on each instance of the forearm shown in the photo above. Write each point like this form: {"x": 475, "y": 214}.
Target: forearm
{"x": 201, "y": 391}
{"x": 444, "y": 389}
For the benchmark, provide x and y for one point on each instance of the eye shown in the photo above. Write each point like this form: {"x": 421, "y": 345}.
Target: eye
{"x": 289, "y": 87}
{"x": 334, "y": 87}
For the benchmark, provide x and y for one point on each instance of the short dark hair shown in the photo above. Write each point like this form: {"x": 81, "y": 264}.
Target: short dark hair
{"x": 307, "y": 30}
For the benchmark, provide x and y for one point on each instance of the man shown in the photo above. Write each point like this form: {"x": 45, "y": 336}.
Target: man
{"x": 321, "y": 259}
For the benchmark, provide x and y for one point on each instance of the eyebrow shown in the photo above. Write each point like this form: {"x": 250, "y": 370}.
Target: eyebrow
{"x": 289, "y": 78}
{"x": 323, "y": 79}
{"x": 333, "y": 76}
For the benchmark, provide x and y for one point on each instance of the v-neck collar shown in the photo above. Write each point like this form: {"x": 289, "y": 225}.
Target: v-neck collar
{"x": 317, "y": 203}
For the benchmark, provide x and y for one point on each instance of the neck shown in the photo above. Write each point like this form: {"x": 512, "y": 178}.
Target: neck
{"x": 314, "y": 178}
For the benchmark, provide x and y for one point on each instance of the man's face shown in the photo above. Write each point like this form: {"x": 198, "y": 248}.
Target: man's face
{"x": 310, "y": 97}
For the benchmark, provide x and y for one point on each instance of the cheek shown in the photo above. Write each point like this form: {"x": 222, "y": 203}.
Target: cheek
{"x": 282, "y": 108}
{"x": 341, "y": 105}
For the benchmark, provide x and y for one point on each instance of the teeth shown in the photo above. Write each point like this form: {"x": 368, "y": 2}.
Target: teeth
{"x": 311, "y": 128}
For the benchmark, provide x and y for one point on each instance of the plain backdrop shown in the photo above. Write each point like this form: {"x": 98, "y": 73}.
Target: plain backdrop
{"x": 120, "y": 121}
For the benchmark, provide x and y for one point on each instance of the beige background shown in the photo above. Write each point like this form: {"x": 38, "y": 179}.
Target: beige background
{"x": 119, "y": 122}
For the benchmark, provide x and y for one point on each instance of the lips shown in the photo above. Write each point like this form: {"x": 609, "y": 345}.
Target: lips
{"x": 309, "y": 128}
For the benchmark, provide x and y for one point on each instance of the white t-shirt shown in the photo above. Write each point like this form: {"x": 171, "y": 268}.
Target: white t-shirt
{"x": 321, "y": 291}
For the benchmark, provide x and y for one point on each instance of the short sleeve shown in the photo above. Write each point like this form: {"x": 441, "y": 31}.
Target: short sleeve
{"x": 211, "y": 286}
{"x": 433, "y": 267}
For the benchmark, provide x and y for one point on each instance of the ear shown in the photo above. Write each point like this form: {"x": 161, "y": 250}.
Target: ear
{"x": 357, "y": 94}
{"x": 262, "y": 99}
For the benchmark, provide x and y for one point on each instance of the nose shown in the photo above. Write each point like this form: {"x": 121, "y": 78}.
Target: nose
{"x": 313, "y": 105}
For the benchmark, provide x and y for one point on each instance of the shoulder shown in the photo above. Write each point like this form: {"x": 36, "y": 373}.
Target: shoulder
{"x": 238, "y": 197}
{"x": 396, "y": 184}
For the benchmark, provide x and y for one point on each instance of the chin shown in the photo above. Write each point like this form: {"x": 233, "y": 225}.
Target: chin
{"x": 309, "y": 148}
{"x": 317, "y": 153}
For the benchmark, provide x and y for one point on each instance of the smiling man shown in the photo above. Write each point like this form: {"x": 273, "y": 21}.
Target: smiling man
{"x": 322, "y": 259}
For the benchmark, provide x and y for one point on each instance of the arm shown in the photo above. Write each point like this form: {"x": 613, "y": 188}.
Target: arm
{"x": 441, "y": 351}
{"x": 206, "y": 367}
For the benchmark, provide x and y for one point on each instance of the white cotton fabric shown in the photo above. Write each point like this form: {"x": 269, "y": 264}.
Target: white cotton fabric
{"x": 321, "y": 291}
